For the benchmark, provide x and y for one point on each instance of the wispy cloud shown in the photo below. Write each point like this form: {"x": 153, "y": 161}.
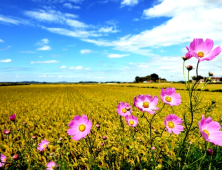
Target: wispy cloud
{"x": 108, "y": 30}
{"x": 6, "y": 61}
{"x": 26, "y": 51}
{"x": 70, "y": 6}
{"x": 117, "y": 55}
{"x": 9, "y": 20}
{"x": 77, "y": 68}
{"x": 86, "y": 51}
{"x": 1, "y": 40}
{"x": 44, "y": 48}
{"x": 63, "y": 67}
{"x": 129, "y": 2}
{"x": 44, "y": 62}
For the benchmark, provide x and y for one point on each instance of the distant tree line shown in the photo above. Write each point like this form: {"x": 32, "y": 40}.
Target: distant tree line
{"x": 154, "y": 77}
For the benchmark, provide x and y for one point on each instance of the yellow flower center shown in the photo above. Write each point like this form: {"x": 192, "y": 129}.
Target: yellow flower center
{"x": 82, "y": 127}
{"x": 200, "y": 54}
{"x": 205, "y": 131}
{"x": 124, "y": 110}
{"x": 44, "y": 146}
{"x": 53, "y": 167}
{"x": 4, "y": 160}
{"x": 171, "y": 124}
{"x": 168, "y": 99}
{"x": 131, "y": 122}
{"x": 145, "y": 104}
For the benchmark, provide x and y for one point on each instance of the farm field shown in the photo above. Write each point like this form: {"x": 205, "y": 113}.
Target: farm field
{"x": 48, "y": 109}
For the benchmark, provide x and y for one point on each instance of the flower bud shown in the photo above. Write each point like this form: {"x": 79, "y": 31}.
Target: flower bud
{"x": 213, "y": 102}
{"x": 189, "y": 67}
{"x": 56, "y": 155}
{"x": 101, "y": 144}
{"x": 6, "y": 132}
{"x": 97, "y": 125}
{"x": 18, "y": 129}
{"x": 136, "y": 130}
{"x": 15, "y": 157}
{"x": 210, "y": 74}
{"x": 153, "y": 148}
{"x": 12, "y": 117}
{"x": 104, "y": 137}
{"x": 51, "y": 154}
{"x": 24, "y": 123}
{"x": 34, "y": 137}
{"x": 60, "y": 139}
{"x": 210, "y": 151}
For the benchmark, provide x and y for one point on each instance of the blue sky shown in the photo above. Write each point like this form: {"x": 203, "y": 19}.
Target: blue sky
{"x": 104, "y": 40}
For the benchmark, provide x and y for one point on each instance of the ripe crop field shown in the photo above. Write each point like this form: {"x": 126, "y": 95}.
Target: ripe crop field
{"x": 48, "y": 110}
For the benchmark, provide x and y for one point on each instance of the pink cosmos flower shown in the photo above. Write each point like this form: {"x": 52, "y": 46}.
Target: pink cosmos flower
{"x": 202, "y": 50}
{"x": 124, "y": 109}
{"x": 146, "y": 104}
{"x": 210, "y": 130}
{"x": 79, "y": 127}
{"x": 12, "y": 117}
{"x": 170, "y": 97}
{"x": 3, "y": 160}
{"x": 131, "y": 120}
{"x": 43, "y": 145}
{"x": 172, "y": 122}
{"x": 51, "y": 165}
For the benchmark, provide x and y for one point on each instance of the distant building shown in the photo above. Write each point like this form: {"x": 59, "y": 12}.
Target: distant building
{"x": 215, "y": 79}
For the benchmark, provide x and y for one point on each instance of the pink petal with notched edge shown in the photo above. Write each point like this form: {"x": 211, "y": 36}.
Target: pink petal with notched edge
{"x": 78, "y": 136}
{"x": 208, "y": 45}
{"x": 211, "y": 55}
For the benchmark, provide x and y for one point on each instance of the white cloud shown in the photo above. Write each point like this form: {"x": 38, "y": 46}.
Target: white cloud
{"x": 76, "y": 33}
{"x": 44, "y": 62}
{"x": 86, "y": 51}
{"x": 9, "y": 20}
{"x": 6, "y": 61}
{"x": 63, "y": 67}
{"x": 108, "y": 30}
{"x": 189, "y": 19}
{"x": 117, "y": 55}
{"x": 76, "y": 68}
{"x": 129, "y": 2}
{"x": 75, "y": 23}
{"x": 44, "y": 48}
{"x": 79, "y": 68}
{"x": 1, "y": 40}
{"x": 26, "y": 51}
{"x": 45, "y": 41}
{"x": 70, "y": 6}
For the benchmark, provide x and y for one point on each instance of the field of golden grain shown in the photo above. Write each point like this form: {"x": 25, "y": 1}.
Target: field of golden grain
{"x": 48, "y": 109}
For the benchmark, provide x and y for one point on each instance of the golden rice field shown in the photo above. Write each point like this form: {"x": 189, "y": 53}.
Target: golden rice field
{"x": 48, "y": 109}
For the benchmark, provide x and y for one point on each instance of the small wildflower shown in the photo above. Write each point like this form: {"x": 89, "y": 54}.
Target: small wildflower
{"x": 146, "y": 103}
{"x": 170, "y": 97}
{"x": 202, "y": 50}
{"x": 24, "y": 123}
{"x": 51, "y": 154}
{"x": 18, "y": 129}
{"x": 104, "y": 137}
{"x": 210, "y": 130}
{"x": 12, "y": 117}
{"x": 6, "y": 132}
{"x": 124, "y": 109}
{"x": 172, "y": 122}
{"x": 3, "y": 160}
{"x": 51, "y": 165}
{"x": 43, "y": 145}
{"x": 79, "y": 127}
{"x": 131, "y": 120}
{"x": 101, "y": 144}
